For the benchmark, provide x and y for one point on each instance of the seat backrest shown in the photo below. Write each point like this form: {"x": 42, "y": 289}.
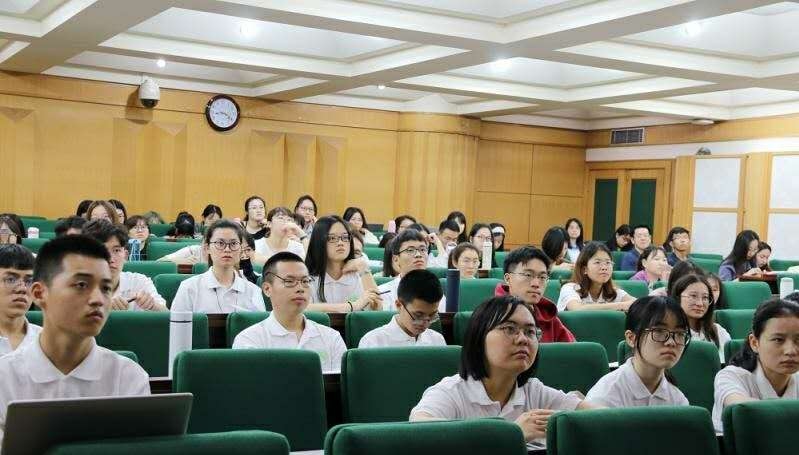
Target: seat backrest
{"x": 616, "y": 256}
{"x": 157, "y": 250}
{"x": 745, "y": 295}
{"x": 652, "y": 430}
{"x": 43, "y": 224}
{"x": 557, "y": 275}
{"x": 696, "y": 371}
{"x": 761, "y": 427}
{"x": 622, "y": 275}
{"x": 737, "y": 322}
{"x": 278, "y": 390}
{"x": 129, "y": 355}
{"x": 716, "y": 257}
{"x": 500, "y": 257}
{"x": 167, "y": 285}
{"x": 473, "y": 292}
{"x": 635, "y": 288}
{"x": 384, "y": 384}
{"x": 34, "y": 244}
{"x": 374, "y": 253}
{"x": 150, "y": 268}
{"x": 358, "y": 324}
{"x": 793, "y": 276}
{"x": 238, "y": 321}
{"x": 459, "y": 325}
{"x": 473, "y": 437}
{"x": 571, "y": 366}
{"x": 552, "y": 291}
{"x": 383, "y": 279}
{"x": 603, "y": 327}
{"x": 782, "y": 264}
{"x": 708, "y": 265}
{"x": 159, "y": 230}
{"x": 198, "y": 268}
{"x": 733, "y": 347}
{"x": 440, "y": 272}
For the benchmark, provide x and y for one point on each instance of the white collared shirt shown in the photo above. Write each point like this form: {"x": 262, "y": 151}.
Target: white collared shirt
{"x": 389, "y": 298}
{"x": 457, "y": 398}
{"x": 623, "y": 388}
{"x": 568, "y": 292}
{"x": 28, "y": 374}
{"x": 392, "y": 335}
{"x": 130, "y": 284}
{"x": 204, "y": 294}
{"x": 192, "y": 254}
{"x": 270, "y": 333}
{"x": 265, "y": 250}
{"x": 753, "y": 384}
{"x": 31, "y": 334}
{"x": 723, "y": 335}
{"x": 347, "y": 287}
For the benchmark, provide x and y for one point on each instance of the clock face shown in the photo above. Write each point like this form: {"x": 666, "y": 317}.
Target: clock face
{"x": 222, "y": 113}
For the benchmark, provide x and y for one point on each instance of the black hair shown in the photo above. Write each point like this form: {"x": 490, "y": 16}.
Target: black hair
{"x": 13, "y": 256}
{"x": 388, "y": 264}
{"x": 65, "y": 224}
{"x": 406, "y": 236}
{"x": 793, "y": 296}
{"x": 303, "y": 198}
{"x": 102, "y": 230}
{"x": 247, "y": 206}
{"x": 674, "y": 231}
{"x": 740, "y": 249}
{"x": 680, "y": 270}
{"x": 50, "y": 260}
{"x": 210, "y": 209}
{"x": 456, "y": 215}
{"x": 119, "y": 205}
{"x": 746, "y": 358}
{"x": 248, "y": 239}
{"x": 134, "y": 220}
{"x": 624, "y": 229}
{"x": 650, "y": 311}
{"x": 473, "y": 231}
{"x": 270, "y": 268}
{"x": 642, "y": 226}
{"x": 350, "y": 211}
{"x": 579, "y": 242}
{"x": 223, "y": 224}
{"x": 760, "y": 247}
{"x": 14, "y": 226}
{"x": 83, "y": 207}
{"x": 456, "y": 253}
{"x": 386, "y": 239}
{"x": 316, "y": 257}
{"x": 485, "y": 318}
{"x": 420, "y": 284}
{"x": 449, "y": 225}
{"x": 648, "y": 252}
{"x": 523, "y": 255}
{"x": 707, "y": 324}
{"x": 183, "y": 226}
{"x": 494, "y": 234}
{"x": 419, "y": 227}
{"x": 721, "y": 301}
{"x": 580, "y": 276}
{"x": 398, "y": 220}
{"x": 553, "y": 242}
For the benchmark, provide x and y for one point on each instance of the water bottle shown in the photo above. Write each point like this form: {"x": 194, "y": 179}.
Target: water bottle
{"x": 486, "y": 265}
{"x": 134, "y": 249}
{"x": 33, "y": 233}
{"x": 786, "y": 286}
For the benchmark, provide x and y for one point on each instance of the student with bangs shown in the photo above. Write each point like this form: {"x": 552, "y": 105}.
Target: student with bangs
{"x": 478, "y": 235}
{"x": 283, "y": 235}
{"x": 677, "y": 245}
{"x": 254, "y": 221}
{"x": 696, "y": 299}
{"x": 574, "y": 231}
{"x": 459, "y": 218}
{"x": 741, "y": 260}
{"x": 16, "y": 278}
{"x": 466, "y": 258}
{"x": 102, "y": 210}
{"x": 652, "y": 266}
{"x": 591, "y": 286}
{"x": 357, "y": 219}
{"x": 556, "y": 244}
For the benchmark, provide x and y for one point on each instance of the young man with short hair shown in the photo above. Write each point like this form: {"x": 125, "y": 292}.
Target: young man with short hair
{"x": 408, "y": 252}
{"x": 72, "y": 225}
{"x": 446, "y": 240}
{"x": 418, "y": 295}
{"x": 679, "y": 242}
{"x": 642, "y": 238}
{"x": 72, "y": 285}
{"x": 287, "y": 283}
{"x": 16, "y": 277}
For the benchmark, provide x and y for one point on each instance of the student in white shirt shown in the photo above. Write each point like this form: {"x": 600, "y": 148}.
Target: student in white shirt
{"x": 418, "y": 295}
{"x": 16, "y": 277}
{"x": 287, "y": 284}
{"x": 255, "y": 220}
{"x": 72, "y": 285}
{"x": 357, "y": 220}
{"x": 497, "y": 374}
{"x": 696, "y": 299}
{"x": 339, "y": 282}
{"x": 132, "y": 291}
{"x": 657, "y": 331}
{"x": 408, "y": 252}
{"x": 767, "y": 368}
{"x": 478, "y": 235}
{"x": 446, "y": 241}
{"x": 466, "y": 258}
{"x": 592, "y": 284}
{"x": 221, "y": 289}
{"x": 284, "y": 235}
{"x": 307, "y": 209}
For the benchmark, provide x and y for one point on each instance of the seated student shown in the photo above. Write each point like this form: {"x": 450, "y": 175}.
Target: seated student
{"x": 280, "y": 237}
{"x": 72, "y": 225}
{"x": 762, "y": 257}
{"x": 339, "y": 282}
{"x": 72, "y": 285}
{"x": 526, "y": 275}
{"x": 408, "y": 252}
{"x": 591, "y": 286}
{"x": 16, "y": 275}
{"x": 574, "y": 231}
{"x": 497, "y": 374}
{"x": 306, "y": 208}
{"x": 621, "y": 239}
{"x": 767, "y": 367}
{"x": 102, "y": 210}
{"x": 403, "y": 222}
{"x": 459, "y": 218}
{"x": 388, "y": 265}
{"x": 153, "y": 217}
{"x": 741, "y": 260}
{"x": 555, "y": 244}
{"x": 387, "y": 237}
{"x": 245, "y": 260}
{"x": 498, "y": 231}
{"x": 182, "y": 228}
{"x": 657, "y": 332}
{"x": 680, "y": 270}
{"x": 652, "y": 266}
{"x": 287, "y": 284}
{"x": 83, "y": 207}
{"x": 10, "y": 231}
{"x": 139, "y": 229}
{"x": 418, "y": 295}
{"x": 220, "y": 289}
{"x": 642, "y": 238}
{"x": 720, "y": 302}
{"x": 357, "y": 219}
{"x": 446, "y": 240}
{"x": 119, "y": 207}
{"x": 479, "y": 234}
{"x": 192, "y": 254}
{"x": 696, "y": 299}
{"x": 466, "y": 258}
{"x": 677, "y": 245}
{"x": 255, "y": 219}
{"x": 211, "y": 214}
{"x": 131, "y": 291}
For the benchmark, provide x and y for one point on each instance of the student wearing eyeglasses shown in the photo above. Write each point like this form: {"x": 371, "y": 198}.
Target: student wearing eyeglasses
{"x": 284, "y": 235}
{"x": 657, "y": 332}
{"x": 408, "y": 252}
{"x": 220, "y": 289}
{"x": 695, "y": 295}
{"x": 466, "y": 258}
{"x": 591, "y": 286}
{"x": 497, "y": 374}
{"x": 16, "y": 277}
{"x": 418, "y": 295}
{"x": 340, "y": 282}
{"x": 288, "y": 285}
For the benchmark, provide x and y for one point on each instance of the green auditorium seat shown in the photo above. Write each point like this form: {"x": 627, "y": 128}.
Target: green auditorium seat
{"x": 782, "y": 265}
{"x": 560, "y": 275}
{"x": 459, "y": 325}
{"x": 239, "y": 442}
{"x": 150, "y": 268}
{"x": 761, "y": 427}
{"x": 359, "y": 323}
{"x": 167, "y": 285}
{"x": 279, "y": 390}
{"x": 129, "y": 354}
{"x": 43, "y": 225}
{"x": 655, "y": 430}
{"x": 715, "y": 257}
{"x": 238, "y": 321}
{"x": 500, "y": 257}
{"x": 616, "y": 257}
{"x": 552, "y": 291}
{"x": 383, "y": 279}
{"x": 745, "y": 295}
{"x": 603, "y": 327}
{"x": 46, "y": 235}
{"x": 794, "y": 276}
{"x": 198, "y": 268}
{"x": 159, "y": 230}
{"x": 636, "y": 289}
{"x": 497, "y": 273}
{"x": 733, "y": 347}
{"x": 737, "y": 322}
{"x": 31, "y": 217}
{"x": 571, "y": 366}
{"x": 384, "y": 384}
{"x": 157, "y": 250}
{"x": 473, "y": 292}
{"x": 619, "y": 275}
{"x": 440, "y": 272}
{"x": 34, "y": 244}
{"x": 708, "y": 265}
{"x": 374, "y": 253}
{"x": 34, "y": 317}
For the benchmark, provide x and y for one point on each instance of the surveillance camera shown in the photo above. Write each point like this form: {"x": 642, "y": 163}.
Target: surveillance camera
{"x": 149, "y": 93}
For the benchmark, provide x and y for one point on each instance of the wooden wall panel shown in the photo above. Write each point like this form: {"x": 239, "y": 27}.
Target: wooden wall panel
{"x": 512, "y": 210}
{"x": 17, "y": 159}
{"x": 558, "y": 171}
{"x": 757, "y": 192}
{"x": 548, "y": 211}
{"x": 682, "y": 196}
{"x": 504, "y": 167}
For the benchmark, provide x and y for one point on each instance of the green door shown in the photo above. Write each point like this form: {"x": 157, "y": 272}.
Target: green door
{"x": 605, "y": 193}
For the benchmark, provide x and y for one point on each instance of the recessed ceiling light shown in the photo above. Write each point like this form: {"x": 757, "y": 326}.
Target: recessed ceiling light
{"x": 160, "y": 62}
{"x": 247, "y": 29}
{"x": 381, "y": 87}
{"x": 501, "y": 64}
{"x": 692, "y": 28}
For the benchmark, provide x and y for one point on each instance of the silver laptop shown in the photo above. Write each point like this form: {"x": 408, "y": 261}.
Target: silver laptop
{"x": 34, "y": 426}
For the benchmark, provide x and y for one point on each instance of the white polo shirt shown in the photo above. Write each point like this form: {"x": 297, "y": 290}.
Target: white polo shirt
{"x": 390, "y": 297}
{"x": 623, "y": 388}
{"x": 723, "y": 334}
{"x": 457, "y": 398}
{"x": 753, "y": 384}
{"x": 203, "y": 294}
{"x": 392, "y": 335}
{"x": 568, "y": 292}
{"x": 28, "y": 374}
{"x": 264, "y": 249}
{"x": 347, "y": 287}
{"x": 270, "y": 333}
{"x": 31, "y": 334}
{"x": 130, "y": 284}
{"x": 192, "y": 254}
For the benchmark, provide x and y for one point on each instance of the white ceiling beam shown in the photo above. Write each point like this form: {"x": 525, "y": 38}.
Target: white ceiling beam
{"x": 14, "y": 28}
{"x": 660, "y": 107}
{"x": 491, "y": 107}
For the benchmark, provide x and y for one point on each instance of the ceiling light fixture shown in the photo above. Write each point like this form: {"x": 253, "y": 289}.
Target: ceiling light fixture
{"x": 381, "y": 87}
{"x": 501, "y": 65}
{"x": 161, "y": 63}
{"x": 247, "y": 29}
{"x": 692, "y": 28}
{"x": 702, "y": 121}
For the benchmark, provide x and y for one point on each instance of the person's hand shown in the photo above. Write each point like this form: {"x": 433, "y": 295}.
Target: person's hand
{"x": 119, "y": 304}
{"x": 756, "y": 272}
{"x": 292, "y": 229}
{"x": 534, "y": 423}
{"x": 664, "y": 275}
{"x": 369, "y": 299}
{"x": 145, "y": 301}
